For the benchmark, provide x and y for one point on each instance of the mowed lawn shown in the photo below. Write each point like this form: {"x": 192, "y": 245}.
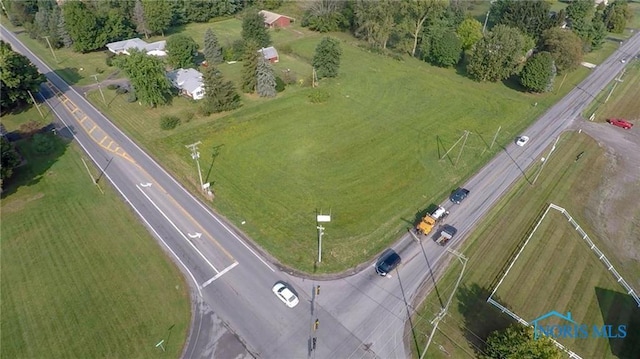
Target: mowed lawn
{"x": 560, "y": 274}
{"x": 370, "y": 155}
{"x": 80, "y": 276}
{"x": 623, "y": 102}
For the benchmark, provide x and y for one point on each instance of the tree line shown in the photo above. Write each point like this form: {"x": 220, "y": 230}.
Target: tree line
{"x": 443, "y": 33}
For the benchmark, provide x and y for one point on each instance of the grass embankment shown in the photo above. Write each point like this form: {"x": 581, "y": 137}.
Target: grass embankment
{"x": 370, "y": 154}
{"x": 80, "y": 276}
{"x": 556, "y": 271}
{"x": 619, "y": 99}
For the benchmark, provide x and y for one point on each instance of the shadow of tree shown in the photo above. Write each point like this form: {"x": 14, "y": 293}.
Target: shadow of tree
{"x": 480, "y": 317}
{"x": 620, "y": 309}
{"x": 35, "y": 165}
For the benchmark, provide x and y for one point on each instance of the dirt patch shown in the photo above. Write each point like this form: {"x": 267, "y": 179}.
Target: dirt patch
{"x": 17, "y": 205}
{"x": 614, "y": 205}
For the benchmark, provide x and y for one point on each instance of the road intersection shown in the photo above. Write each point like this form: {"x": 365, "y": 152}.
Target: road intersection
{"x": 358, "y": 316}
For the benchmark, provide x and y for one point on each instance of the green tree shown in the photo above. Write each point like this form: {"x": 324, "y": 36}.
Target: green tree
{"x": 531, "y": 17}
{"x": 115, "y": 26}
{"x": 266, "y": 79}
{"x": 139, "y": 19}
{"x": 200, "y": 11}
{"x": 580, "y": 10}
{"x": 324, "y": 15}
{"x": 157, "y": 15}
{"x": 375, "y": 20}
{"x": 253, "y": 28}
{"x": 83, "y": 26}
{"x": 249, "y": 66}
{"x": 565, "y": 47}
{"x": 517, "y": 342}
{"x": 219, "y": 95}
{"x": 147, "y": 76}
{"x": 20, "y": 12}
{"x": 415, "y": 14}
{"x": 181, "y": 51}
{"x": 538, "y": 72}
{"x": 17, "y": 76}
{"x": 469, "y": 32}
{"x": 598, "y": 32}
{"x": 446, "y": 49}
{"x": 498, "y": 55}
{"x": 212, "y": 49}
{"x": 615, "y": 16}
{"x": 326, "y": 60}
{"x": 10, "y": 159}
{"x": 62, "y": 32}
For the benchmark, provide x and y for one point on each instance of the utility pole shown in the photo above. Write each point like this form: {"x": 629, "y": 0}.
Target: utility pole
{"x": 50, "y": 48}
{"x": 196, "y": 155}
{"x": 35, "y": 103}
{"x": 486, "y": 18}
{"x": 95, "y": 77}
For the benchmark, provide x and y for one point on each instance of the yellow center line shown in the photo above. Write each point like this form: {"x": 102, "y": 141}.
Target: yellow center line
{"x": 103, "y": 139}
{"x": 93, "y": 128}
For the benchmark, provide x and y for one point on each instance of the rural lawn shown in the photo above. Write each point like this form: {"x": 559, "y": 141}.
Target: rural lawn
{"x": 80, "y": 276}
{"x": 372, "y": 154}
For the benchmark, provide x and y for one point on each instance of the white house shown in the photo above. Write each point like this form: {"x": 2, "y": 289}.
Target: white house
{"x": 188, "y": 81}
{"x": 123, "y": 47}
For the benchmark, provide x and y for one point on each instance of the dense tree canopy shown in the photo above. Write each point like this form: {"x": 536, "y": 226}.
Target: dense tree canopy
{"x": 531, "y": 16}
{"x": 565, "y": 47}
{"x": 538, "y": 73}
{"x": 83, "y": 26}
{"x": 325, "y": 15}
{"x": 326, "y": 60}
{"x": 517, "y": 342}
{"x": 615, "y": 16}
{"x": 375, "y": 21}
{"x": 446, "y": 49}
{"x": 157, "y": 15}
{"x": 249, "y": 66}
{"x": 499, "y": 54}
{"x": 181, "y": 51}
{"x": 147, "y": 76}
{"x": 17, "y": 76}
{"x": 10, "y": 159}
{"x": 253, "y": 28}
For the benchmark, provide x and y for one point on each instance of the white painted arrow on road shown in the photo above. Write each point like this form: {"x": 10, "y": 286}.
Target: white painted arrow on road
{"x": 148, "y": 184}
{"x": 197, "y": 235}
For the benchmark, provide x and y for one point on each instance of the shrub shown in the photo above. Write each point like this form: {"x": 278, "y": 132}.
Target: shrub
{"x": 121, "y": 90}
{"x": 169, "y": 122}
{"x": 113, "y": 87}
{"x": 188, "y": 116}
{"x": 99, "y": 70}
{"x": 289, "y": 77}
{"x": 318, "y": 96}
{"x": 286, "y": 49}
{"x": 132, "y": 97}
{"x": 279, "y": 84}
{"x": 43, "y": 143}
{"x": 109, "y": 58}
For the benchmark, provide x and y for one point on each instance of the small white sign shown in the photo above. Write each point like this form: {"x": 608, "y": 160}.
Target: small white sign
{"x": 323, "y": 218}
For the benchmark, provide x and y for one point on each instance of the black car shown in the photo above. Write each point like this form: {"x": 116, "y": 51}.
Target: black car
{"x": 459, "y": 195}
{"x": 387, "y": 262}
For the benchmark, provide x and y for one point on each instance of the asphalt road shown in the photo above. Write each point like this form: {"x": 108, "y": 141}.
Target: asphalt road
{"x": 235, "y": 313}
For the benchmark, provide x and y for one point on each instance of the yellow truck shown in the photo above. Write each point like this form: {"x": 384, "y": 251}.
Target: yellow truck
{"x": 429, "y": 221}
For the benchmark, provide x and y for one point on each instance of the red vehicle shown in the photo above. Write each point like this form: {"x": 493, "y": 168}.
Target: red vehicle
{"x": 620, "y": 123}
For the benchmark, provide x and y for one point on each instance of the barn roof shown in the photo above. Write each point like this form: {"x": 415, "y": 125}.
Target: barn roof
{"x": 271, "y": 17}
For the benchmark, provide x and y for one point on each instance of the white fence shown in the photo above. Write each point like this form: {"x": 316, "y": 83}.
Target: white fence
{"x": 599, "y": 254}
{"x": 591, "y": 245}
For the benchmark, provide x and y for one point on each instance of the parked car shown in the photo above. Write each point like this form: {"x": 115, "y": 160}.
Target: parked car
{"x": 285, "y": 294}
{"x": 620, "y": 123}
{"x": 459, "y": 195}
{"x": 522, "y": 140}
{"x": 387, "y": 262}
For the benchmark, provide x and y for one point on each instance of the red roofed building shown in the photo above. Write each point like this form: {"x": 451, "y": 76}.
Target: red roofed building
{"x": 271, "y": 19}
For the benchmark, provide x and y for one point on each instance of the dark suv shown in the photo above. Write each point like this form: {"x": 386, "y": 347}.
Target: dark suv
{"x": 387, "y": 262}
{"x": 459, "y": 195}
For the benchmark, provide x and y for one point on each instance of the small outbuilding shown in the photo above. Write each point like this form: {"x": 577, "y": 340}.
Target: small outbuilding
{"x": 271, "y": 19}
{"x": 188, "y": 81}
{"x": 270, "y": 53}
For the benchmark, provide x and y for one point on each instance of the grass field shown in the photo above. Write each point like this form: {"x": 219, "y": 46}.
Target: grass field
{"x": 618, "y": 105}
{"x": 81, "y": 278}
{"x": 564, "y": 182}
{"x": 370, "y": 154}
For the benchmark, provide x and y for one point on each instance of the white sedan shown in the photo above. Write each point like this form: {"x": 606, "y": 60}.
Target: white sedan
{"x": 522, "y": 140}
{"x": 285, "y": 294}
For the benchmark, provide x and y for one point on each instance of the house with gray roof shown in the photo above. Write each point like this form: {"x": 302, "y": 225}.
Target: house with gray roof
{"x": 270, "y": 54}
{"x": 124, "y": 46}
{"x": 188, "y": 81}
